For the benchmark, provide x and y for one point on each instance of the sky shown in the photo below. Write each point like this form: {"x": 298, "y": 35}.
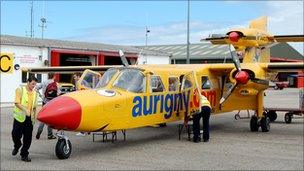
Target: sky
{"x": 125, "y": 22}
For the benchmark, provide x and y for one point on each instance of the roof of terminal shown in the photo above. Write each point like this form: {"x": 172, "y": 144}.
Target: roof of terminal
{"x": 206, "y": 50}
{"x": 203, "y": 50}
{"x": 64, "y": 44}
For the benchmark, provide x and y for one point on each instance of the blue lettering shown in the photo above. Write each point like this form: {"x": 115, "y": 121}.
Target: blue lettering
{"x": 149, "y": 109}
{"x": 136, "y": 111}
{"x": 156, "y": 99}
{"x": 168, "y": 105}
{"x": 176, "y": 101}
{"x": 162, "y": 104}
{"x": 186, "y": 100}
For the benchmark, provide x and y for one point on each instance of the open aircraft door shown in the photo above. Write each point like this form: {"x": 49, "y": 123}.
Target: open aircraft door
{"x": 190, "y": 93}
{"x": 88, "y": 80}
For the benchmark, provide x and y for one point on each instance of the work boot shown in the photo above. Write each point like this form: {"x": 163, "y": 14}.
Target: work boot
{"x": 50, "y": 137}
{"x": 37, "y": 136}
{"x": 15, "y": 151}
{"x": 26, "y": 159}
{"x": 196, "y": 139}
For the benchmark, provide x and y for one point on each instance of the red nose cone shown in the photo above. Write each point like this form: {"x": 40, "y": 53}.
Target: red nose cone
{"x": 234, "y": 37}
{"x": 61, "y": 113}
{"x": 242, "y": 77}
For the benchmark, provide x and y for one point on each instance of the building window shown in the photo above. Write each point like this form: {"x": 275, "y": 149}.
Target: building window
{"x": 25, "y": 76}
{"x": 38, "y": 76}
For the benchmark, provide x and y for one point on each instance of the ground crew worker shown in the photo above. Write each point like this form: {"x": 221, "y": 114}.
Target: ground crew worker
{"x": 205, "y": 113}
{"x": 24, "y": 118}
{"x": 44, "y": 85}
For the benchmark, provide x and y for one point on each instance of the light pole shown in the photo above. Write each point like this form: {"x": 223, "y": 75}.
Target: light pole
{"x": 147, "y": 31}
{"x": 188, "y": 42}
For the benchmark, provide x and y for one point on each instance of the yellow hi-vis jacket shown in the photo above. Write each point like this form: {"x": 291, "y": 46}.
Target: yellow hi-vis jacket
{"x": 204, "y": 101}
{"x": 18, "y": 113}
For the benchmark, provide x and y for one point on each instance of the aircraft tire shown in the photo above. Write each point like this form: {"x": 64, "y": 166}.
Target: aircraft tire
{"x": 61, "y": 149}
{"x": 265, "y": 124}
{"x": 272, "y": 115}
{"x": 288, "y": 118}
{"x": 254, "y": 127}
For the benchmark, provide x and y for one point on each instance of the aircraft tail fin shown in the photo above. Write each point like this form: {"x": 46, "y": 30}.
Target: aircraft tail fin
{"x": 259, "y": 23}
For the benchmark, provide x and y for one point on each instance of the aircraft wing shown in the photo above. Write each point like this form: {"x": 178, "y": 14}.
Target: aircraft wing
{"x": 69, "y": 69}
{"x": 284, "y": 67}
{"x": 288, "y": 38}
{"x": 221, "y": 68}
{"x": 216, "y": 39}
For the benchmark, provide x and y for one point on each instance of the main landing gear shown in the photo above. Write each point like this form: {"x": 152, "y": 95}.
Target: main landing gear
{"x": 63, "y": 147}
{"x": 264, "y": 123}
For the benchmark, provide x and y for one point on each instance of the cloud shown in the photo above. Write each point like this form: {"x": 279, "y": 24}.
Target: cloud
{"x": 283, "y": 18}
{"x": 286, "y": 18}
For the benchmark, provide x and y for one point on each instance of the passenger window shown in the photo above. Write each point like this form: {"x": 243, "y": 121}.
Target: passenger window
{"x": 156, "y": 84}
{"x": 206, "y": 84}
{"x": 187, "y": 82}
{"x": 173, "y": 84}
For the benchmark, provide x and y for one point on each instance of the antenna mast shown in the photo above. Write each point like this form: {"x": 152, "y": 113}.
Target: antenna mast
{"x": 43, "y": 21}
{"x": 32, "y": 19}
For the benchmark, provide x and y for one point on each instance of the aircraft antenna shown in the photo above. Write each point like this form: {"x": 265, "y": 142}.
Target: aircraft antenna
{"x": 32, "y": 19}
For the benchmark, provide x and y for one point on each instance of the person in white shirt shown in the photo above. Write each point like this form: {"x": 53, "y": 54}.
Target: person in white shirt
{"x": 45, "y": 86}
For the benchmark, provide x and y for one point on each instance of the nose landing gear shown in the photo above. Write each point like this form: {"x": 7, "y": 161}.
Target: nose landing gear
{"x": 63, "y": 147}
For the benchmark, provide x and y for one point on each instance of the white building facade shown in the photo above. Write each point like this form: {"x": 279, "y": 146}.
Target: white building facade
{"x": 28, "y": 52}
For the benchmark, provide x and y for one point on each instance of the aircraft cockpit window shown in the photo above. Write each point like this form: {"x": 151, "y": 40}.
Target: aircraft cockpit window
{"x": 105, "y": 79}
{"x": 90, "y": 80}
{"x": 131, "y": 80}
{"x": 206, "y": 84}
{"x": 156, "y": 84}
{"x": 173, "y": 83}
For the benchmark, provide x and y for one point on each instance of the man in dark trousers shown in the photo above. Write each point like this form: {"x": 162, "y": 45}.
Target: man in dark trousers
{"x": 205, "y": 113}
{"x": 24, "y": 118}
{"x": 47, "y": 95}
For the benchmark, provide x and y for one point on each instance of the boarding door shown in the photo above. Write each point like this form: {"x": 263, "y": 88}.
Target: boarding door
{"x": 190, "y": 95}
{"x": 88, "y": 80}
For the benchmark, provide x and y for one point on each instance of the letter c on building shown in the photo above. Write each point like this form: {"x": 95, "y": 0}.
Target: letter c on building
{"x": 7, "y": 67}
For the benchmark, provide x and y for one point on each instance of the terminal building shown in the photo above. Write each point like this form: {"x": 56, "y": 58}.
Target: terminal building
{"x": 35, "y": 52}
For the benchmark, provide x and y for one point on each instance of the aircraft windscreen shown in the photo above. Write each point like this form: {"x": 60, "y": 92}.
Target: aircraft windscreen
{"x": 105, "y": 79}
{"x": 131, "y": 80}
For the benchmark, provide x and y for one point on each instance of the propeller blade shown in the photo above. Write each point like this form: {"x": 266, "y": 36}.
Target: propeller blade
{"x": 235, "y": 59}
{"x": 228, "y": 93}
{"x": 123, "y": 58}
{"x": 260, "y": 81}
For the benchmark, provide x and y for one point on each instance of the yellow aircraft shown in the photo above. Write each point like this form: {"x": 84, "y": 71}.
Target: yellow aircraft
{"x": 142, "y": 95}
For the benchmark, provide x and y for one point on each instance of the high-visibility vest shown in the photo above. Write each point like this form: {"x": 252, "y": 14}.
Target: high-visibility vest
{"x": 18, "y": 114}
{"x": 204, "y": 101}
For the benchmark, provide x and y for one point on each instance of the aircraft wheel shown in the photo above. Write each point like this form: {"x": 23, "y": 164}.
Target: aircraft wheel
{"x": 265, "y": 124}
{"x": 62, "y": 150}
{"x": 288, "y": 118}
{"x": 272, "y": 115}
{"x": 254, "y": 127}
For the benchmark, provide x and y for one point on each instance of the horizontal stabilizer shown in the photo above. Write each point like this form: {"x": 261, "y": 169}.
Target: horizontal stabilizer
{"x": 289, "y": 38}
{"x": 281, "y": 67}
